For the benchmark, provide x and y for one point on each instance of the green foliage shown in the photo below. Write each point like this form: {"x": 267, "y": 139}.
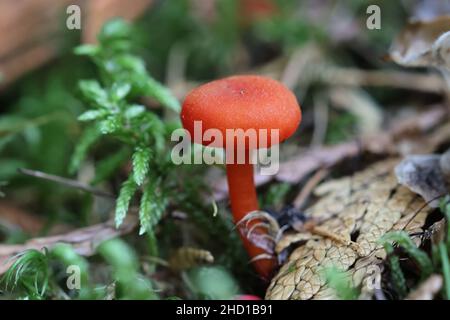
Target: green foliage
{"x": 65, "y": 254}
{"x": 445, "y": 268}
{"x": 122, "y": 73}
{"x": 152, "y": 207}
{"x": 115, "y": 113}
{"x": 275, "y": 196}
{"x": 340, "y": 128}
{"x": 288, "y": 29}
{"x": 212, "y": 283}
{"x": 440, "y": 262}
{"x": 44, "y": 274}
{"x": 37, "y": 130}
{"x": 402, "y": 239}
{"x": 141, "y": 159}
{"x": 107, "y": 167}
{"x": 444, "y": 248}
{"x": 127, "y": 191}
{"x": 340, "y": 282}
{"x": 209, "y": 46}
{"x": 89, "y": 137}
{"x": 28, "y": 275}
{"x": 129, "y": 283}
{"x": 397, "y": 275}
{"x": 445, "y": 209}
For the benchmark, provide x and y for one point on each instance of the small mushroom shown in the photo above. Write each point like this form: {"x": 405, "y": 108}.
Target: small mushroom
{"x": 243, "y": 102}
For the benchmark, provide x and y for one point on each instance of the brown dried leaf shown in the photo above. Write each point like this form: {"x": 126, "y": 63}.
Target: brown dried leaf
{"x": 427, "y": 289}
{"x": 357, "y": 211}
{"x": 84, "y": 241}
{"x": 422, "y": 174}
{"x": 421, "y": 43}
{"x": 437, "y": 232}
{"x": 16, "y": 217}
{"x": 187, "y": 257}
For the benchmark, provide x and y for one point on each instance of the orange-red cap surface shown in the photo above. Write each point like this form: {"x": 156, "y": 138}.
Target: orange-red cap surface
{"x": 242, "y": 102}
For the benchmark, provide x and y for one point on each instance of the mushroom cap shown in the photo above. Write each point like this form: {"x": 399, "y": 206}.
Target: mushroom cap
{"x": 241, "y": 102}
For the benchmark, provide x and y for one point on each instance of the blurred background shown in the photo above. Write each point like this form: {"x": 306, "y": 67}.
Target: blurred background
{"x": 323, "y": 50}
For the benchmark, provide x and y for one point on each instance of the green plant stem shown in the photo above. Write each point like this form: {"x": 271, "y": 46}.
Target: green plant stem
{"x": 445, "y": 268}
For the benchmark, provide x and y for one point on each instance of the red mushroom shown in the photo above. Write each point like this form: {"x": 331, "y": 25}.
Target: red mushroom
{"x": 243, "y": 102}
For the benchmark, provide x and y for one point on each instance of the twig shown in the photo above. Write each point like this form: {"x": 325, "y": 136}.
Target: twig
{"x": 309, "y": 187}
{"x": 320, "y": 121}
{"x": 67, "y": 182}
{"x": 396, "y": 79}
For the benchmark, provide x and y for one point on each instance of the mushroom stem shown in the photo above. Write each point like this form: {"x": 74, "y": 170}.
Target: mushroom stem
{"x": 243, "y": 198}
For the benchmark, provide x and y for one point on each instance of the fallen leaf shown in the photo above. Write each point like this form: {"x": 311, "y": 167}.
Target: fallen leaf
{"x": 19, "y": 218}
{"x": 352, "y": 213}
{"x": 420, "y": 43}
{"x": 186, "y": 257}
{"x": 16, "y": 217}
{"x": 84, "y": 241}
{"x": 427, "y": 289}
{"x": 437, "y": 232}
{"x": 423, "y": 175}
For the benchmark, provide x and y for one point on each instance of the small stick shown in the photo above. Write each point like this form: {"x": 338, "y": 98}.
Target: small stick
{"x": 320, "y": 121}
{"x": 309, "y": 186}
{"x": 67, "y": 182}
{"x": 321, "y": 231}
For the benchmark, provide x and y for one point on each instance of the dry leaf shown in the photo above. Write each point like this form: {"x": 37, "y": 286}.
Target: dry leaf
{"x": 15, "y": 217}
{"x": 422, "y": 175}
{"x": 187, "y": 257}
{"x": 84, "y": 241}
{"x": 427, "y": 289}
{"x": 355, "y": 212}
{"x": 437, "y": 232}
{"x": 421, "y": 43}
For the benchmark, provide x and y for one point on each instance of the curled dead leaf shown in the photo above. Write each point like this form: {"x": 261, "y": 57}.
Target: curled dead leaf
{"x": 423, "y": 175}
{"x": 422, "y": 43}
{"x": 427, "y": 289}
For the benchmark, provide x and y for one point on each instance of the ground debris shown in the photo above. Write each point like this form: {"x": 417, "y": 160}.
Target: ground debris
{"x": 427, "y": 289}
{"x": 407, "y": 136}
{"x": 358, "y": 209}
{"x": 186, "y": 257}
{"x": 84, "y": 240}
{"x": 423, "y": 175}
{"x": 420, "y": 43}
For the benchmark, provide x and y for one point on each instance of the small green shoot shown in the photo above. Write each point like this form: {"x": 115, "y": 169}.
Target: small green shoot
{"x": 29, "y": 274}
{"x": 341, "y": 283}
